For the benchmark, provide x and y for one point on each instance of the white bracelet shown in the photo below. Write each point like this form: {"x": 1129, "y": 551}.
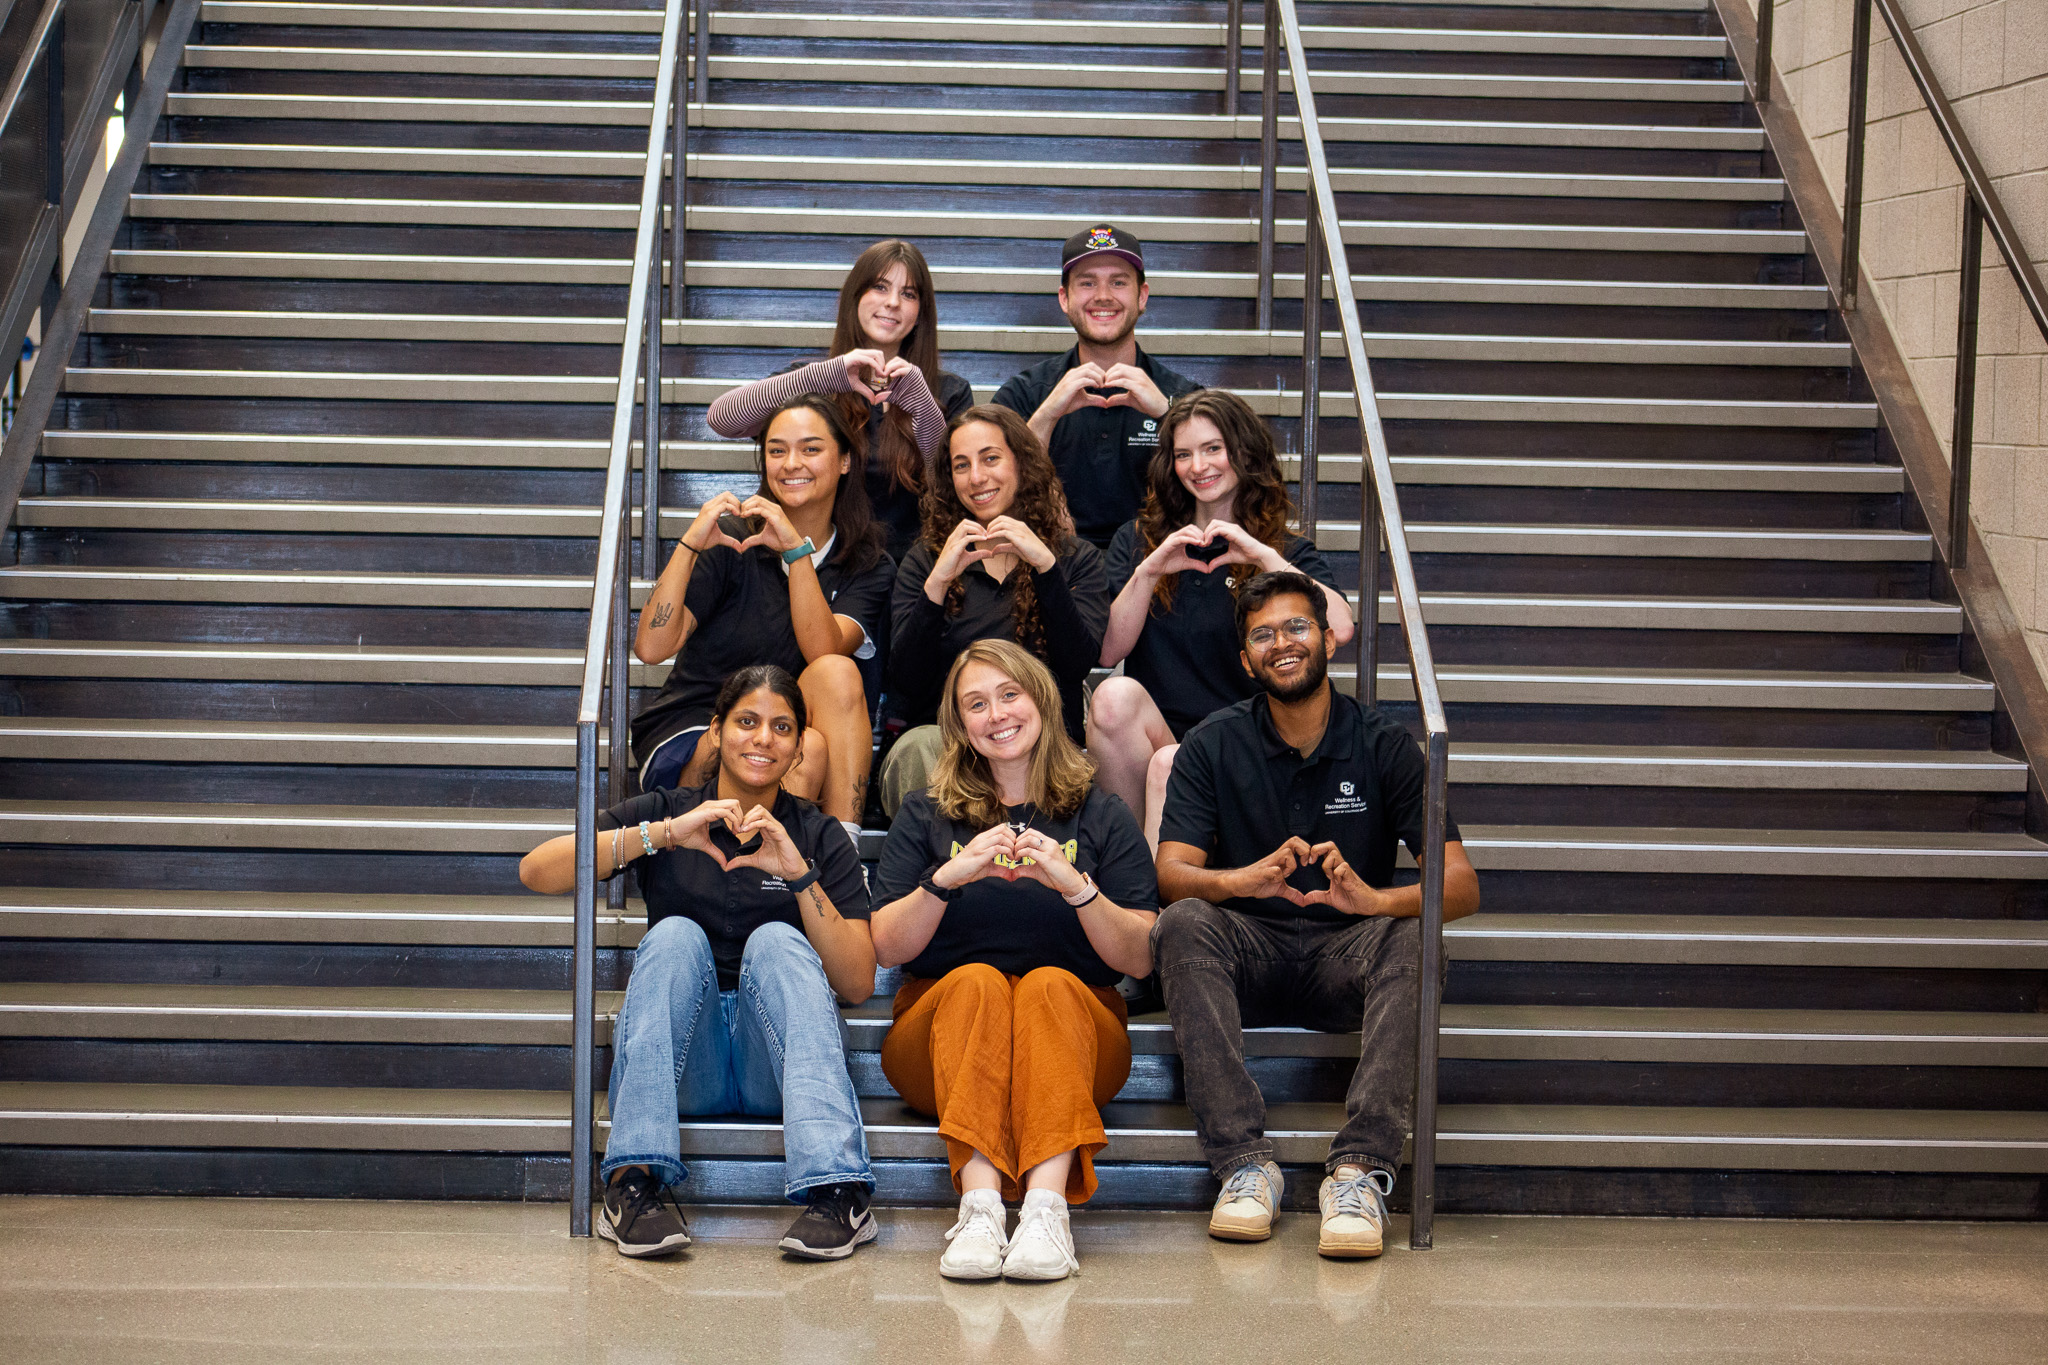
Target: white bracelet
{"x": 1087, "y": 893}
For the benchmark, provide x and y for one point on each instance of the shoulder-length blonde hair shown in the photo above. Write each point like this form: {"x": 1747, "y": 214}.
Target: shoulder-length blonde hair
{"x": 963, "y": 786}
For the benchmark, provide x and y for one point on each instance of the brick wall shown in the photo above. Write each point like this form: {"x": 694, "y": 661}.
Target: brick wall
{"x": 1991, "y": 58}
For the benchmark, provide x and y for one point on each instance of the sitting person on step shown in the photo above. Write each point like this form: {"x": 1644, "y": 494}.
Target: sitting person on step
{"x": 885, "y": 365}
{"x": 1015, "y": 892}
{"x": 1216, "y": 514}
{"x": 1276, "y": 854}
{"x": 998, "y": 560}
{"x": 1096, "y": 409}
{"x": 794, "y": 576}
{"x": 757, "y": 916}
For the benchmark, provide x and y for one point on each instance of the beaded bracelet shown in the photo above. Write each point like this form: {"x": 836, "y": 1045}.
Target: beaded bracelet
{"x": 646, "y": 842}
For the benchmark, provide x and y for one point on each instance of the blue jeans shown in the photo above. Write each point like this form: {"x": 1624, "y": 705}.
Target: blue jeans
{"x": 682, "y": 1046}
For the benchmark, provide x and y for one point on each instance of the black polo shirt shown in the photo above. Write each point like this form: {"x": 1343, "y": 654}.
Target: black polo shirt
{"x": 1021, "y": 925}
{"x": 730, "y": 906}
{"x": 1187, "y": 654}
{"x": 1100, "y": 453}
{"x": 741, "y": 602}
{"x": 1073, "y": 607}
{"x": 1239, "y": 791}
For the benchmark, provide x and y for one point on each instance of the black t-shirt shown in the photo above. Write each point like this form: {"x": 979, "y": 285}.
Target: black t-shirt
{"x": 1187, "y": 654}
{"x": 1100, "y": 453}
{"x": 1073, "y": 608}
{"x": 1239, "y": 791}
{"x": 1021, "y": 925}
{"x": 741, "y": 602}
{"x": 730, "y": 906}
{"x": 895, "y": 506}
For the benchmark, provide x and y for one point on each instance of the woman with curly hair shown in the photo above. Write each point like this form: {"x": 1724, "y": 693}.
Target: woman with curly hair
{"x": 998, "y": 560}
{"x": 1014, "y": 893}
{"x": 1216, "y": 515}
{"x": 884, "y": 372}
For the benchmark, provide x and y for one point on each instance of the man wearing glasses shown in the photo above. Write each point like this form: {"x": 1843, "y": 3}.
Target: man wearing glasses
{"x": 1276, "y": 853}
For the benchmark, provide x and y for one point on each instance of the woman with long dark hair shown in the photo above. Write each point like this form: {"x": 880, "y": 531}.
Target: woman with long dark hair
{"x": 1015, "y": 893}
{"x": 998, "y": 559}
{"x": 885, "y": 371}
{"x": 794, "y": 576}
{"x": 757, "y": 917}
{"x": 1216, "y": 514}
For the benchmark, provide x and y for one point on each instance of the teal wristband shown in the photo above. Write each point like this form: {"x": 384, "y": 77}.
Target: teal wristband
{"x": 796, "y": 552}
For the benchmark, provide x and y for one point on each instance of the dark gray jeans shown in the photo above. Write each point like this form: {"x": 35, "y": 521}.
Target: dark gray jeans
{"x": 1223, "y": 972}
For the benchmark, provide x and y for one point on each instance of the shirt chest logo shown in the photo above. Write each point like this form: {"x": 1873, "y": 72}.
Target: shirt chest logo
{"x": 1347, "y": 801}
{"x": 1147, "y": 433}
{"x": 1071, "y": 848}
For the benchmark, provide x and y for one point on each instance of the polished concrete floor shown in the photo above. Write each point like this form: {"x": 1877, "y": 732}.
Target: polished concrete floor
{"x": 224, "y": 1281}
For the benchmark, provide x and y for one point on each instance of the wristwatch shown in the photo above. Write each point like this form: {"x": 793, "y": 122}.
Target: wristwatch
{"x": 807, "y": 881}
{"x": 796, "y": 552}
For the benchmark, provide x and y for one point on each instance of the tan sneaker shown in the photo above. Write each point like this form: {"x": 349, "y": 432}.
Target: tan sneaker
{"x": 1354, "y": 1213}
{"x": 1245, "y": 1208}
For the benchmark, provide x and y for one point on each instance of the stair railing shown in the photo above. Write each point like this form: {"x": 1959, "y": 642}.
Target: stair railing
{"x": 1379, "y": 515}
{"x": 51, "y": 130}
{"x": 1981, "y": 209}
{"x": 605, "y": 695}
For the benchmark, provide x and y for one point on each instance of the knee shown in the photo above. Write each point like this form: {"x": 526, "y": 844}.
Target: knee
{"x": 1117, "y": 707}
{"x": 1187, "y": 928}
{"x": 1160, "y": 768}
{"x": 676, "y": 945}
{"x": 1048, "y": 987}
{"x": 775, "y": 943}
{"x": 976, "y": 981}
{"x": 833, "y": 683}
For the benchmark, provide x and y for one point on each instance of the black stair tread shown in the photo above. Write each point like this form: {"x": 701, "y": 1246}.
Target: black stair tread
{"x": 1925, "y": 944}
{"x": 516, "y": 920}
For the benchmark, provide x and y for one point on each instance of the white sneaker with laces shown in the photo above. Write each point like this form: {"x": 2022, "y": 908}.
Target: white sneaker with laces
{"x": 1354, "y": 1212}
{"x": 1043, "y": 1248}
{"x": 1245, "y": 1208}
{"x": 976, "y": 1243}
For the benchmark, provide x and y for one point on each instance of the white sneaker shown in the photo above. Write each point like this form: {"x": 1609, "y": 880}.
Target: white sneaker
{"x": 1245, "y": 1208}
{"x": 1354, "y": 1213}
{"x": 976, "y": 1243}
{"x": 1043, "y": 1248}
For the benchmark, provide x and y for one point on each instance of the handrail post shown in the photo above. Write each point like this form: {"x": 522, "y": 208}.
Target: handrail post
{"x": 582, "y": 1052}
{"x": 1269, "y": 156}
{"x": 679, "y": 203}
{"x": 620, "y": 688}
{"x": 1852, "y": 188}
{"x": 1233, "y": 55}
{"x": 1428, "y": 994}
{"x": 1367, "y": 639}
{"x": 703, "y": 52}
{"x": 1311, "y": 363}
{"x": 650, "y": 437}
{"x": 1966, "y": 384}
{"x": 1760, "y": 79}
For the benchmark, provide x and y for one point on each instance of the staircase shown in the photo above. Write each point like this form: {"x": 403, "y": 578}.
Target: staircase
{"x": 302, "y": 576}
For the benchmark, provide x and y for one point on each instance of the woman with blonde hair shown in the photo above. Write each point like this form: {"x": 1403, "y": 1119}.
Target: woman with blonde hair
{"x": 1015, "y": 892}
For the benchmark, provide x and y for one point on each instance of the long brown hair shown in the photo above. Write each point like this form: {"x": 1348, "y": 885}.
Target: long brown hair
{"x": 964, "y": 786}
{"x": 1261, "y": 505}
{"x": 897, "y": 449}
{"x": 853, "y": 517}
{"x": 1040, "y": 504}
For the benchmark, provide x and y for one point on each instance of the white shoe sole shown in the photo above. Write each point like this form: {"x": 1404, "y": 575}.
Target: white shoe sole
{"x": 971, "y": 1272}
{"x": 867, "y": 1232}
{"x": 662, "y": 1248}
{"x": 1036, "y": 1276}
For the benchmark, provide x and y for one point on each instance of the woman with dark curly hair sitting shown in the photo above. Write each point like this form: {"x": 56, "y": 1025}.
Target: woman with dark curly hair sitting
{"x": 998, "y": 560}
{"x": 1216, "y": 515}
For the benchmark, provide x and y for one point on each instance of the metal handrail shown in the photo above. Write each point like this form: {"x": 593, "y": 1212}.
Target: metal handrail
{"x": 605, "y": 642}
{"x": 1379, "y": 512}
{"x": 1982, "y": 209}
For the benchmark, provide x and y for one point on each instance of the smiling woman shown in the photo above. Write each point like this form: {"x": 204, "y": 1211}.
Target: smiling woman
{"x": 793, "y": 576}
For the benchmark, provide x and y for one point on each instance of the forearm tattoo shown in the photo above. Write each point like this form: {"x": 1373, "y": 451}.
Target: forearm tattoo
{"x": 818, "y": 902}
{"x": 663, "y": 611}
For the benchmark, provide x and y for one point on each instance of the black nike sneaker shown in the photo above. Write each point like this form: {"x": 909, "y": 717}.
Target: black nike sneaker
{"x": 837, "y": 1221}
{"x": 641, "y": 1215}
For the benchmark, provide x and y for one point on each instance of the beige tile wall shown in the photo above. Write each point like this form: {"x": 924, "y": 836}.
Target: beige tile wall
{"x": 1991, "y": 58}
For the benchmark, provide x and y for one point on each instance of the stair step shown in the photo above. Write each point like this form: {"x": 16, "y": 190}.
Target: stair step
{"x": 1056, "y": 75}
{"x": 426, "y": 829}
{"x": 258, "y": 208}
{"x": 559, "y": 593}
{"x": 115, "y": 913}
{"x": 569, "y": 270}
{"x": 595, "y": 389}
{"x": 495, "y": 18}
{"x": 298, "y": 1014}
{"x": 412, "y": 109}
{"x": 84, "y": 1114}
{"x": 1207, "y": 341}
{"x": 1752, "y": 940}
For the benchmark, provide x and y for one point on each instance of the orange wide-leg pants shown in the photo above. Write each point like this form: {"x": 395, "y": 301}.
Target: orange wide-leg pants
{"x": 1014, "y": 1067}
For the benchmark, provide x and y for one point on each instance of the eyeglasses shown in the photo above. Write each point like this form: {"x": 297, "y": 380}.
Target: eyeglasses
{"x": 1261, "y": 638}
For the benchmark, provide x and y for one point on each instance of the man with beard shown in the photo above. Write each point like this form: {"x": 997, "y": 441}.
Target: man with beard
{"x": 1096, "y": 409}
{"x": 1276, "y": 851}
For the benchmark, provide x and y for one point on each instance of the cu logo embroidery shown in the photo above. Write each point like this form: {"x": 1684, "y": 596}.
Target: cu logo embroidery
{"x": 1346, "y": 787}
{"x": 1347, "y": 802}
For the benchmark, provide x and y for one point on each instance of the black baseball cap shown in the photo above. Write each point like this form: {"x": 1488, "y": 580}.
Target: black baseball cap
{"x": 1102, "y": 239}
